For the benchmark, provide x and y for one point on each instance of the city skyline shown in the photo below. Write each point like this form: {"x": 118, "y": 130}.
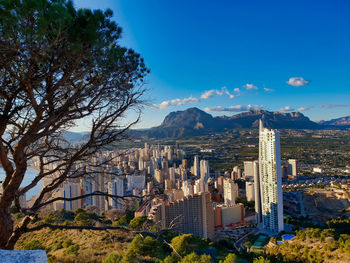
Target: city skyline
{"x": 235, "y": 56}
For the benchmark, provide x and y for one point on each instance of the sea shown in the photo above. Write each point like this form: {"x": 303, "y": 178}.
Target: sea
{"x": 28, "y": 178}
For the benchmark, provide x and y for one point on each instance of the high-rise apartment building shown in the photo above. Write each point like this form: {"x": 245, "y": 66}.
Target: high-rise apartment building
{"x": 204, "y": 170}
{"x": 71, "y": 190}
{"x": 249, "y": 191}
{"x": 196, "y": 165}
{"x": 230, "y": 191}
{"x": 116, "y": 187}
{"x": 248, "y": 169}
{"x": 292, "y": 167}
{"x": 270, "y": 179}
{"x": 193, "y": 214}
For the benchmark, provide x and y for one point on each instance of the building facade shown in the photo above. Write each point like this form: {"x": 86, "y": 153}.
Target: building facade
{"x": 270, "y": 179}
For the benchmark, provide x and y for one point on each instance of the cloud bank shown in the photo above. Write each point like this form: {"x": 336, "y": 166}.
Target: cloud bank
{"x": 175, "y": 102}
{"x": 297, "y": 81}
{"x": 332, "y": 106}
{"x": 209, "y": 93}
{"x": 236, "y": 108}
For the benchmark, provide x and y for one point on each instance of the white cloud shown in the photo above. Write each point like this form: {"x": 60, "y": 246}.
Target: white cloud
{"x": 175, "y": 102}
{"x": 250, "y": 86}
{"x": 209, "y": 93}
{"x": 163, "y": 105}
{"x": 304, "y": 108}
{"x": 237, "y": 90}
{"x": 287, "y": 108}
{"x": 297, "y": 81}
{"x": 331, "y": 106}
{"x": 269, "y": 90}
{"x": 236, "y": 108}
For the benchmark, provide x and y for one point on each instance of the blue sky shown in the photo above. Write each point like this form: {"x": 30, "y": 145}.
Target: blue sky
{"x": 230, "y": 56}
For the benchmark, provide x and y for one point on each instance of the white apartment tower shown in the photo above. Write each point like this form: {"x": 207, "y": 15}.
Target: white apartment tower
{"x": 270, "y": 179}
{"x": 196, "y": 165}
{"x": 230, "y": 191}
{"x": 204, "y": 170}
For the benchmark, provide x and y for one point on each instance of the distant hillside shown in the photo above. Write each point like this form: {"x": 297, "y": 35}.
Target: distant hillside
{"x": 343, "y": 122}
{"x": 194, "y": 121}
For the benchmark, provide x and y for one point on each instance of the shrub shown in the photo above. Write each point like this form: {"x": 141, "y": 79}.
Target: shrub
{"x": 82, "y": 219}
{"x": 73, "y": 249}
{"x": 138, "y": 222}
{"x": 230, "y": 258}
{"x": 112, "y": 258}
{"x": 33, "y": 245}
{"x": 67, "y": 243}
{"x": 194, "y": 258}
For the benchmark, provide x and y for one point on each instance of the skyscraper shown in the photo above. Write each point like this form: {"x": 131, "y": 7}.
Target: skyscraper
{"x": 230, "y": 191}
{"x": 292, "y": 167}
{"x": 204, "y": 170}
{"x": 196, "y": 165}
{"x": 116, "y": 188}
{"x": 270, "y": 179}
{"x": 193, "y": 214}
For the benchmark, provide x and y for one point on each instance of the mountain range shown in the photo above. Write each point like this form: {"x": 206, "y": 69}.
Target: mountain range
{"x": 193, "y": 121}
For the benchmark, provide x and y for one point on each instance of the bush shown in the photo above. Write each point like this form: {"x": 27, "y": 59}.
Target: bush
{"x": 112, "y": 258}
{"x": 73, "y": 249}
{"x": 124, "y": 220}
{"x": 138, "y": 222}
{"x": 33, "y": 245}
{"x": 194, "y": 258}
{"x": 188, "y": 243}
{"x": 230, "y": 258}
{"x": 59, "y": 216}
{"x": 67, "y": 243}
{"x": 82, "y": 219}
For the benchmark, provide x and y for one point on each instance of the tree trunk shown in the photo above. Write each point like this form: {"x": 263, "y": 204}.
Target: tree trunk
{"x": 6, "y": 227}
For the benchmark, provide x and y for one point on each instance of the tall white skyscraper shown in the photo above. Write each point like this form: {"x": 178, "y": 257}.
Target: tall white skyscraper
{"x": 196, "y": 165}
{"x": 204, "y": 170}
{"x": 270, "y": 179}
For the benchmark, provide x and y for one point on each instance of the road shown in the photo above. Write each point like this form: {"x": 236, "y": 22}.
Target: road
{"x": 239, "y": 243}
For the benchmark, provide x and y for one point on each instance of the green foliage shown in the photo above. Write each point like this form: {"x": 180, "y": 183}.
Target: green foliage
{"x": 59, "y": 216}
{"x": 58, "y": 245}
{"x": 341, "y": 225}
{"x": 124, "y": 220}
{"x": 141, "y": 247}
{"x": 188, "y": 243}
{"x": 261, "y": 260}
{"x": 112, "y": 258}
{"x": 137, "y": 222}
{"x": 33, "y": 245}
{"x": 73, "y": 249}
{"x": 230, "y": 258}
{"x": 19, "y": 215}
{"x": 194, "y": 258}
{"x": 82, "y": 219}
{"x": 67, "y": 243}
{"x": 170, "y": 259}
